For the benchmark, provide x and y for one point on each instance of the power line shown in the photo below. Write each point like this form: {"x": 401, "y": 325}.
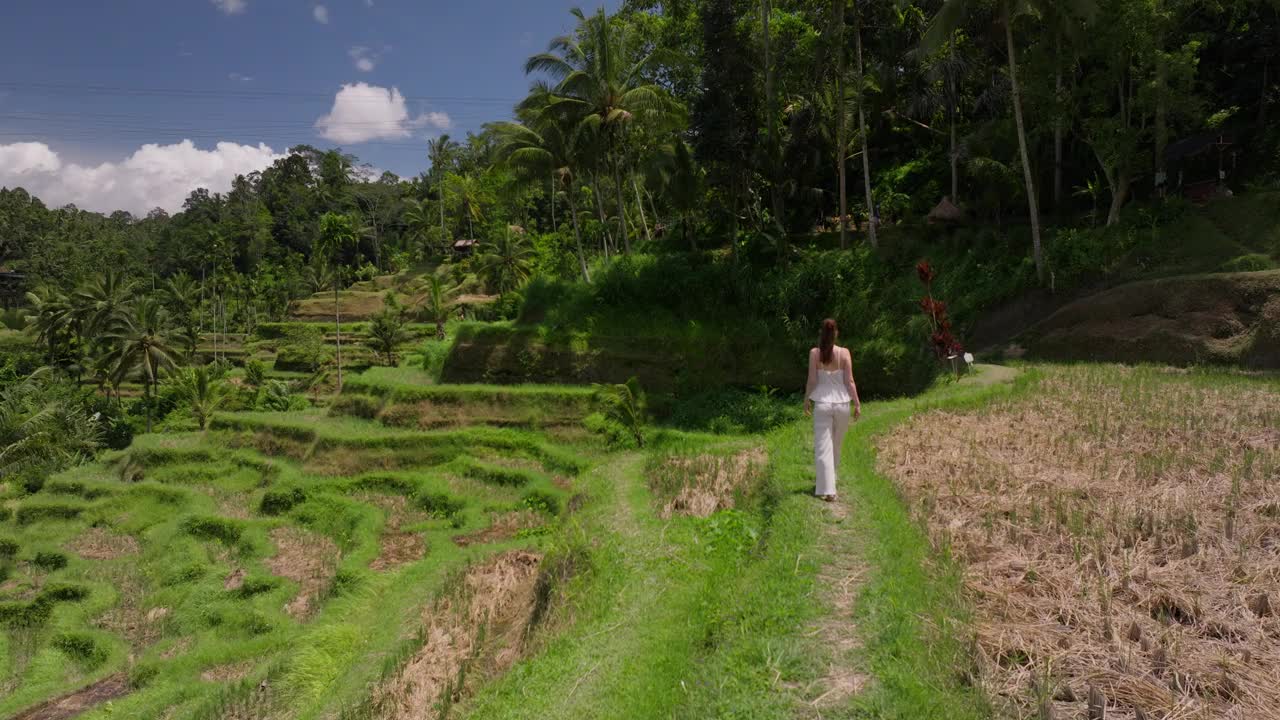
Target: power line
{"x": 246, "y": 94}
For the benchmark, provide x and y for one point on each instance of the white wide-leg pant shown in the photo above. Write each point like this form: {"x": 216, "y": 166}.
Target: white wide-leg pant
{"x": 830, "y": 423}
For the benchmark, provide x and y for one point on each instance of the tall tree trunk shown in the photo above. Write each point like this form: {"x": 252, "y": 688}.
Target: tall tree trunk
{"x": 554, "y": 227}
{"x": 1262, "y": 99}
{"x": 837, "y": 23}
{"x": 1119, "y": 194}
{"x": 771, "y": 118}
{"x": 657, "y": 220}
{"x": 622, "y": 208}
{"x": 577, "y": 236}
{"x": 444, "y": 230}
{"x": 951, "y": 102}
{"x": 640, "y": 206}
{"x": 872, "y": 216}
{"x": 604, "y": 224}
{"x": 1162, "y": 114}
{"x": 1058, "y": 129}
{"x": 1032, "y": 205}
{"x": 337, "y": 321}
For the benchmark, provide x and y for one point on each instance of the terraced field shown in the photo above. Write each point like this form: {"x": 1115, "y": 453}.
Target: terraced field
{"x": 299, "y": 561}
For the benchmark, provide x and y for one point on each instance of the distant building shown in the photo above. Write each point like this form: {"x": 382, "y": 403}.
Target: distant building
{"x": 465, "y": 247}
{"x": 13, "y": 285}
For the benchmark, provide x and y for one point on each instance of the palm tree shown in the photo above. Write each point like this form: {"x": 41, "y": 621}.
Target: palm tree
{"x": 50, "y": 318}
{"x": 599, "y": 89}
{"x": 435, "y": 309}
{"x": 387, "y": 333}
{"x": 200, "y": 390}
{"x": 101, "y": 302}
{"x": 337, "y": 237}
{"x": 418, "y": 223}
{"x": 467, "y": 194}
{"x": 438, "y": 150}
{"x": 549, "y": 150}
{"x": 140, "y": 347}
{"x": 40, "y": 433}
{"x": 624, "y": 403}
{"x": 862, "y": 131}
{"x": 679, "y": 173}
{"x": 944, "y": 24}
{"x": 506, "y": 263}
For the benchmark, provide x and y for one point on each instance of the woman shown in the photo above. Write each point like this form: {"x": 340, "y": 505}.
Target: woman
{"x": 827, "y": 397}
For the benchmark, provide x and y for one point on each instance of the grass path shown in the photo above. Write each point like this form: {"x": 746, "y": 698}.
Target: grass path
{"x": 893, "y": 622}
{"x": 627, "y": 643}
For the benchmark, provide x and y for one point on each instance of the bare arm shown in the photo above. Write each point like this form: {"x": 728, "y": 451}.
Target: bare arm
{"x": 850, "y": 384}
{"x": 813, "y": 378}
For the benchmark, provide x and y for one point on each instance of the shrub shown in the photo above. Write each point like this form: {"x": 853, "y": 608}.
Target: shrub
{"x": 541, "y": 501}
{"x": 256, "y": 585}
{"x": 8, "y": 549}
{"x": 360, "y": 406}
{"x": 434, "y": 353}
{"x": 439, "y": 505}
{"x": 81, "y": 647}
{"x": 614, "y": 434}
{"x": 302, "y": 349}
{"x": 212, "y": 528}
{"x": 732, "y": 411}
{"x": 49, "y": 561}
{"x": 624, "y": 404}
{"x": 255, "y": 373}
{"x": 279, "y": 502}
{"x": 37, "y": 512}
{"x": 1248, "y": 263}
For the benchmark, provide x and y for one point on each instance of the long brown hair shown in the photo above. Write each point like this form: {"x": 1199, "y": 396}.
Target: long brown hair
{"x": 827, "y": 341}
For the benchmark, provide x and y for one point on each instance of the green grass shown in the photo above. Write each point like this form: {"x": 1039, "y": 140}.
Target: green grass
{"x": 195, "y": 511}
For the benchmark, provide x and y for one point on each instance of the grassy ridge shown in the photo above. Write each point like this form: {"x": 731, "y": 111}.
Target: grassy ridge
{"x": 714, "y": 617}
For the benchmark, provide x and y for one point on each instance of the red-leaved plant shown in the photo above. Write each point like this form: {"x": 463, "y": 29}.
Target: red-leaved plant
{"x": 945, "y": 345}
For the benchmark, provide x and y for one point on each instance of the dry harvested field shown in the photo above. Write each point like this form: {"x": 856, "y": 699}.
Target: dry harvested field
{"x": 1119, "y": 530}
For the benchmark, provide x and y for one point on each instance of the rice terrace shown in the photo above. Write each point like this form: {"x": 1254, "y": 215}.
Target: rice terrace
{"x": 743, "y": 359}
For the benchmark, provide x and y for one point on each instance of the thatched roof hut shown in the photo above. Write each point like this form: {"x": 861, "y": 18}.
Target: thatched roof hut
{"x": 946, "y": 213}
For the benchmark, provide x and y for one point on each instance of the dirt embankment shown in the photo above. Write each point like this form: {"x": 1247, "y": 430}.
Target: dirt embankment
{"x": 1224, "y": 319}
{"x": 476, "y": 633}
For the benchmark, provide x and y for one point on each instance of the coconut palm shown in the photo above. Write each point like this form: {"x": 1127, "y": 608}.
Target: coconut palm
{"x": 549, "y": 150}
{"x": 434, "y": 308}
{"x": 418, "y": 223}
{"x": 337, "y": 238}
{"x": 624, "y": 403}
{"x": 40, "y": 433}
{"x": 100, "y": 303}
{"x": 468, "y": 197}
{"x": 599, "y": 89}
{"x": 506, "y": 263}
{"x": 944, "y": 24}
{"x": 140, "y": 347}
{"x": 50, "y": 319}
{"x": 438, "y": 150}
{"x": 677, "y": 171}
{"x": 200, "y": 390}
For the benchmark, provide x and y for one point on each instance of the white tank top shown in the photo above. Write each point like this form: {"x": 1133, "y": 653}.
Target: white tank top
{"x": 830, "y": 387}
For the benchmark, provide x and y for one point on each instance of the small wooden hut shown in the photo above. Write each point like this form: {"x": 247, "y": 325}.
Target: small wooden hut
{"x": 946, "y": 213}
{"x": 465, "y": 247}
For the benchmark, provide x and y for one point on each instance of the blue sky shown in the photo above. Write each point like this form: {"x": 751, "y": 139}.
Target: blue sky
{"x": 86, "y": 84}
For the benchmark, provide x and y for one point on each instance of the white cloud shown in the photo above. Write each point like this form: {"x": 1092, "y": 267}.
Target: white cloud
{"x": 231, "y": 7}
{"x": 321, "y": 14}
{"x": 240, "y": 78}
{"x": 153, "y": 176}
{"x": 368, "y": 3}
{"x": 365, "y": 60}
{"x": 438, "y": 120}
{"x": 363, "y": 112}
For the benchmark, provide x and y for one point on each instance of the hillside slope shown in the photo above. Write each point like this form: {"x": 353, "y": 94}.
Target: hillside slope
{"x": 1227, "y": 318}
